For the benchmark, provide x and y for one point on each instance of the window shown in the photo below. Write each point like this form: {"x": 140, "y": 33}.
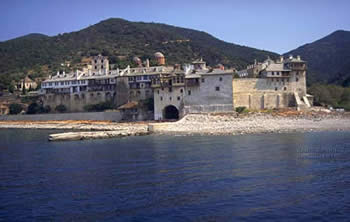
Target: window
{"x": 158, "y": 92}
{"x": 95, "y": 67}
{"x": 220, "y": 79}
{"x": 297, "y": 79}
{"x": 181, "y": 90}
{"x": 170, "y": 89}
{"x": 101, "y": 67}
{"x": 273, "y": 73}
{"x": 161, "y": 98}
{"x": 203, "y": 80}
{"x": 285, "y": 88}
{"x": 178, "y": 98}
{"x": 275, "y": 88}
{"x": 170, "y": 98}
{"x": 217, "y": 88}
{"x": 189, "y": 92}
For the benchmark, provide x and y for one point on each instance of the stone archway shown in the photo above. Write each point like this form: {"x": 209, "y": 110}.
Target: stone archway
{"x": 170, "y": 112}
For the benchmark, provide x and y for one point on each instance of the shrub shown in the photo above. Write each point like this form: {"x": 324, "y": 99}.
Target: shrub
{"x": 240, "y": 109}
{"x": 33, "y": 108}
{"x": 61, "y": 108}
{"x": 15, "y": 108}
{"x": 46, "y": 109}
{"x": 149, "y": 103}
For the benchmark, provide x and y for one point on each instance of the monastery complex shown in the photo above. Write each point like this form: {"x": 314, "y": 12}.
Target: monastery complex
{"x": 169, "y": 92}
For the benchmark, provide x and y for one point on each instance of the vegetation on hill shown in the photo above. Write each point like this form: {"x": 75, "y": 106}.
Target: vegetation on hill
{"x": 328, "y": 59}
{"x": 331, "y": 95}
{"x": 121, "y": 40}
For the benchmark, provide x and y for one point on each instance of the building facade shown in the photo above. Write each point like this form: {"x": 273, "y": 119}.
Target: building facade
{"x": 176, "y": 91}
{"x": 195, "y": 89}
{"x": 279, "y": 84}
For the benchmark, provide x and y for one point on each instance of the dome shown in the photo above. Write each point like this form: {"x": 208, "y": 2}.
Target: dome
{"x": 158, "y": 55}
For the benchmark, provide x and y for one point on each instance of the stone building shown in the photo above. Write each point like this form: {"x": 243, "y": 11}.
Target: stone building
{"x": 77, "y": 89}
{"x": 97, "y": 84}
{"x": 194, "y": 89}
{"x": 4, "y": 109}
{"x": 26, "y": 83}
{"x": 100, "y": 65}
{"x": 279, "y": 84}
{"x": 176, "y": 91}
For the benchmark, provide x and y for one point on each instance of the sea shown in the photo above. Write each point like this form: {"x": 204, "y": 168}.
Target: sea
{"x": 261, "y": 177}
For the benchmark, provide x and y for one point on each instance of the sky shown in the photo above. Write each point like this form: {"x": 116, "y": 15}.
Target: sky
{"x": 273, "y": 25}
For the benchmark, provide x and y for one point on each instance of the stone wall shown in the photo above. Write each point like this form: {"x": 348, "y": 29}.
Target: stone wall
{"x": 107, "y": 116}
{"x": 75, "y": 102}
{"x": 256, "y": 93}
{"x": 208, "y": 108}
{"x": 206, "y": 92}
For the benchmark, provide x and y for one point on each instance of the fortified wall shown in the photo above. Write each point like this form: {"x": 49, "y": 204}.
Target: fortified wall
{"x": 261, "y": 93}
{"x": 77, "y": 101}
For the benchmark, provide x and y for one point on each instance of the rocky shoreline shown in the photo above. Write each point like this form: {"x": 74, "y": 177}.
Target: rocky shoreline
{"x": 205, "y": 124}
{"x": 249, "y": 124}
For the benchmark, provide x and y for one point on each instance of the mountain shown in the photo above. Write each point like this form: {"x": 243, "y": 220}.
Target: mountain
{"x": 121, "y": 40}
{"x": 328, "y": 58}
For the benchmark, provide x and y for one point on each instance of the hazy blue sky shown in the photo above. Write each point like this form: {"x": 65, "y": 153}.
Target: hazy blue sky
{"x": 275, "y": 25}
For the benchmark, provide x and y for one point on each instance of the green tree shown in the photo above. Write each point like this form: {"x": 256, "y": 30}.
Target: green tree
{"x": 15, "y": 108}
{"x": 33, "y": 108}
{"x": 61, "y": 108}
{"x": 24, "y": 91}
{"x": 11, "y": 88}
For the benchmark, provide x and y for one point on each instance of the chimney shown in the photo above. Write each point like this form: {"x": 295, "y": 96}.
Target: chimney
{"x": 281, "y": 58}
{"x": 290, "y": 56}
{"x": 298, "y": 57}
{"x": 147, "y": 63}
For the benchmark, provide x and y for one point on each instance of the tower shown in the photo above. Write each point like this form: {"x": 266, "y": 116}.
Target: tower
{"x": 100, "y": 65}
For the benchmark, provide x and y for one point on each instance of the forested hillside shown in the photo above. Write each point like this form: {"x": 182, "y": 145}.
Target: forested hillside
{"x": 120, "y": 40}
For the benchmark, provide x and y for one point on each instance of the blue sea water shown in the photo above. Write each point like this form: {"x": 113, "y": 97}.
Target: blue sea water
{"x": 267, "y": 177}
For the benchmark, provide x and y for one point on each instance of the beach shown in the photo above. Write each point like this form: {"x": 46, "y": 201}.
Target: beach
{"x": 207, "y": 124}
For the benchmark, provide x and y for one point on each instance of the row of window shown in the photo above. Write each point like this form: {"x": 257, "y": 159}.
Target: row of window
{"x": 170, "y": 98}
{"x": 96, "y": 67}
{"x": 132, "y": 93}
{"x": 139, "y": 78}
{"x": 63, "y": 83}
{"x": 284, "y": 88}
{"x": 203, "y": 79}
